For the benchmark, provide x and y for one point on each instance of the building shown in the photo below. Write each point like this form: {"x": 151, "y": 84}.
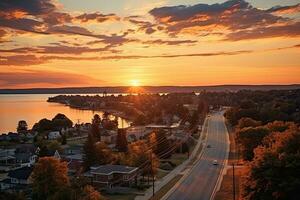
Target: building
{"x": 53, "y": 135}
{"x": 109, "y": 137}
{"x": 17, "y": 179}
{"x": 111, "y": 175}
{"x": 25, "y": 154}
{"x": 135, "y": 133}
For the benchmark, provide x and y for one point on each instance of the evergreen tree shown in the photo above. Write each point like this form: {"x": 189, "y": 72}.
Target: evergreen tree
{"x": 95, "y": 129}
{"x": 121, "y": 143}
{"x": 89, "y": 151}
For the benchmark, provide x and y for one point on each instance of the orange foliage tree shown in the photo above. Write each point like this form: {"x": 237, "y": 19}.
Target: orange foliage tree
{"x": 49, "y": 176}
{"x": 89, "y": 193}
{"x": 275, "y": 169}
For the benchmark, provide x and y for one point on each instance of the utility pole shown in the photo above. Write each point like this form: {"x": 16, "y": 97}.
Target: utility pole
{"x": 152, "y": 172}
{"x": 233, "y": 181}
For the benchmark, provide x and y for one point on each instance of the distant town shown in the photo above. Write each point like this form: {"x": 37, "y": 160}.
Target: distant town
{"x": 171, "y": 136}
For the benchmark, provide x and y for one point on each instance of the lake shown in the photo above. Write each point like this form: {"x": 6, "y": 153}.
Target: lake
{"x": 33, "y": 107}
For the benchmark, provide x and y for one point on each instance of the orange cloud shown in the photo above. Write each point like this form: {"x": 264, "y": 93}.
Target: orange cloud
{"x": 33, "y": 78}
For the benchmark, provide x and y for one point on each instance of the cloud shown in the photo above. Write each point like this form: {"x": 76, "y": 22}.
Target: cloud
{"x": 285, "y": 9}
{"x": 144, "y": 26}
{"x": 57, "y": 49}
{"x": 176, "y": 55}
{"x": 21, "y": 60}
{"x": 230, "y": 17}
{"x": 31, "y": 7}
{"x": 29, "y": 59}
{"x": 170, "y": 42}
{"x": 33, "y": 78}
{"x": 44, "y": 17}
{"x": 291, "y": 30}
{"x": 96, "y": 16}
{"x": 113, "y": 40}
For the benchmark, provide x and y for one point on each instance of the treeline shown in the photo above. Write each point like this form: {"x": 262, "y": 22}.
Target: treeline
{"x": 267, "y": 134}
{"x": 141, "y": 109}
{"x": 264, "y": 106}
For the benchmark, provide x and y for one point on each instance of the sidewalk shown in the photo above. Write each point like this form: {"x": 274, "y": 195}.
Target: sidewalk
{"x": 180, "y": 169}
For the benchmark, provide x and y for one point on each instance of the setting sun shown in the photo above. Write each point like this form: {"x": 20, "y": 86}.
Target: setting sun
{"x": 135, "y": 83}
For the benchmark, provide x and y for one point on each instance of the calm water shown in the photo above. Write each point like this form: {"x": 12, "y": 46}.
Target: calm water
{"x": 33, "y": 107}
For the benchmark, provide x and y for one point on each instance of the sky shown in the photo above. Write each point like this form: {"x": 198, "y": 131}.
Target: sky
{"x": 73, "y": 43}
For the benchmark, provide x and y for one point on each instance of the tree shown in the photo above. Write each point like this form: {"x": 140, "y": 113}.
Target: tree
{"x": 249, "y": 138}
{"x": 89, "y": 151}
{"x": 95, "y": 129}
{"x": 43, "y": 125}
{"x": 163, "y": 145}
{"x": 22, "y": 126}
{"x": 275, "y": 169}
{"x": 103, "y": 153}
{"x": 121, "y": 143}
{"x": 61, "y": 121}
{"x": 248, "y": 122}
{"x": 89, "y": 193}
{"x": 63, "y": 139}
{"x": 49, "y": 176}
{"x": 139, "y": 155}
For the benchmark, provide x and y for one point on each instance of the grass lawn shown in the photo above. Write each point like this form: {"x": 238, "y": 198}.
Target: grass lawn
{"x": 159, "y": 194}
{"x": 160, "y": 174}
{"x": 75, "y": 142}
{"x": 178, "y": 158}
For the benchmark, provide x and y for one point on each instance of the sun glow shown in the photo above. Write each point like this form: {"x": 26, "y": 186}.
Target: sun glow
{"x": 135, "y": 83}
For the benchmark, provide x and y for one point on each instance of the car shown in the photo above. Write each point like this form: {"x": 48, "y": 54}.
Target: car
{"x": 215, "y": 162}
{"x": 208, "y": 146}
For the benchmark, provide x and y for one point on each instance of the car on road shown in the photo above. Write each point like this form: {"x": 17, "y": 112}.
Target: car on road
{"x": 215, "y": 162}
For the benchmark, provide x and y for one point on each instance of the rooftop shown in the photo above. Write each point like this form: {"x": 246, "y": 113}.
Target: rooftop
{"x": 21, "y": 173}
{"x": 110, "y": 169}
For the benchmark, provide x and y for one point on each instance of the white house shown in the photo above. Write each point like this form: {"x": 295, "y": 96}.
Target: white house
{"x": 53, "y": 135}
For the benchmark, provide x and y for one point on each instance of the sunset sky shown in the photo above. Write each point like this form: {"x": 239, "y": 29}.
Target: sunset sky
{"x": 62, "y": 43}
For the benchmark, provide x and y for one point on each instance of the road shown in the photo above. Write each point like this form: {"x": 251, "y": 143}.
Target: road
{"x": 199, "y": 184}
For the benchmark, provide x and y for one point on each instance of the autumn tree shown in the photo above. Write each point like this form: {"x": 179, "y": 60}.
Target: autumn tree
{"x": 249, "y": 138}
{"x": 103, "y": 153}
{"x": 140, "y": 155}
{"x": 49, "y": 176}
{"x": 248, "y": 122}
{"x": 89, "y": 193}
{"x": 121, "y": 143}
{"x": 275, "y": 169}
{"x": 163, "y": 145}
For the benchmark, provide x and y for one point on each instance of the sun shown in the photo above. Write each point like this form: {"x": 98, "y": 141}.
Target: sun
{"x": 135, "y": 83}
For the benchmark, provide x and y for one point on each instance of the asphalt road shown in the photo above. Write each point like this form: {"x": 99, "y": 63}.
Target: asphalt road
{"x": 202, "y": 179}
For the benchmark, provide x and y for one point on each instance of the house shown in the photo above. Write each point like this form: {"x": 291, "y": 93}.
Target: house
{"x": 53, "y": 135}
{"x": 13, "y": 137}
{"x": 135, "y": 132}
{"x": 74, "y": 163}
{"x": 7, "y": 159}
{"x": 72, "y": 150}
{"x": 17, "y": 179}
{"x": 55, "y": 154}
{"x": 25, "y": 154}
{"x": 109, "y": 137}
{"x": 110, "y": 175}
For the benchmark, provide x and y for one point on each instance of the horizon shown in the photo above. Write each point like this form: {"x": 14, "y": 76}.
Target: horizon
{"x": 145, "y": 86}
{"x": 59, "y": 43}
